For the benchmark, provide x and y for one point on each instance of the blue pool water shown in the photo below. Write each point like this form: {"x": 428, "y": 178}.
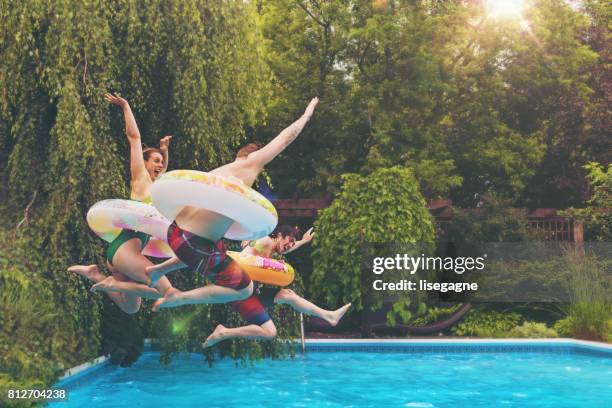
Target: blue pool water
{"x": 358, "y": 379}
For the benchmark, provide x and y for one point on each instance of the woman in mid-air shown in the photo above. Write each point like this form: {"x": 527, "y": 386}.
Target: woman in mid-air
{"x": 124, "y": 256}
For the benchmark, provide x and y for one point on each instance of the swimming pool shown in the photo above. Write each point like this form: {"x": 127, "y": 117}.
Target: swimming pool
{"x": 365, "y": 374}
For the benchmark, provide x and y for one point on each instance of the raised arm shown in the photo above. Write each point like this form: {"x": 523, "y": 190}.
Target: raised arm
{"x": 267, "y": 153}
{"x": 163, "y": 146}
{"x": 137, "y": 166}
{"x": 306, "y": 238}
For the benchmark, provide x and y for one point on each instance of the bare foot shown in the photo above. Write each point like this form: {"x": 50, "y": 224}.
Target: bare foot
{"x": 154, "y": 274}
{"x": 215, "y": 337}
{"x": 106, "y": 285}
{"x": 90, "y": 272}
{"x": 172, "y": 298}
{"x": 337, "y": 314}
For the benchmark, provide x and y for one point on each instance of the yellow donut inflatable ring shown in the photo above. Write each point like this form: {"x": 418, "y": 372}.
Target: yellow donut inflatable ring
{"x": 264, "y": 270}
{"x": 108, "y": 217}
{"x": 253, "y": 215}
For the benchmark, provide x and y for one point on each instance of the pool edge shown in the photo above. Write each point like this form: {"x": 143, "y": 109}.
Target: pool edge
{"x": 597, "y": 348}
{"x": 567, "y": 345}
{"x": 568, "y": 340}
{"x": 76, "y": 372}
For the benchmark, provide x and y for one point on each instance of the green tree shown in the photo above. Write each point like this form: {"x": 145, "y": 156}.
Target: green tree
{"x": 372, "y": 215}
{"x": 304, "y": 43}
{"x": 596, "y": 216}
{"x": 471, "y": 102}
{"x": 494, "y": 221}
{"x": 371, "y": 113}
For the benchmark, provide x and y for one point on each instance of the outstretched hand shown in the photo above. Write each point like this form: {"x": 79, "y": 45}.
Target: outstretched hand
{"x": 116, "y": 100}
{"x": 311, "y": 107}
{"x": 308, "y": 235}
{"x": 164, "y": 142}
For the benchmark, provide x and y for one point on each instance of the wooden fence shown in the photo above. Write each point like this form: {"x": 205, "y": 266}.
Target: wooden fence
{"x": 546, "y": 221}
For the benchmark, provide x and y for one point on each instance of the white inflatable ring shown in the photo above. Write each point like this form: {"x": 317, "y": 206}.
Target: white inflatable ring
{"x": 108, "y": 217}
{"x": 254, "y": 216}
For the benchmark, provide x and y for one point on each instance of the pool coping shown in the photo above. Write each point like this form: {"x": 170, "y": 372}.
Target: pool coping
{"x": 417, "y": 345}
{"x": 74, "y": 373}
{"x": 564, "y": 341}
{"x": 465, "y": 345}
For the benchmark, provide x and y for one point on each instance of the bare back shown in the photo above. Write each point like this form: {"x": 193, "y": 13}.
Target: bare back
{"x": 261, "y": 247}
{"x": 244, "y": 169}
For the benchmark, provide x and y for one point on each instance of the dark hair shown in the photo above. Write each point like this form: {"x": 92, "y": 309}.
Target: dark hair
{"x": 248, "y": 149}
{"x": 287, "y": 231}
{"x": 146, "y": 152}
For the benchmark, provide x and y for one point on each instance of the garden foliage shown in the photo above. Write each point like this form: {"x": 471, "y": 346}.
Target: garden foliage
{"x": 596, "y": 216}
{"x": 472, "y": 103}
{"x": 590, "y": 310}
{"x": 383, "y": 210}
{"x": 486, "y": 323}
{"x": 193, "y": 69}
{"x": 532, "y": 330}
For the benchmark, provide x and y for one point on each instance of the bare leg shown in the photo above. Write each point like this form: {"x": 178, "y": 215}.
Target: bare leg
{"x": 130, "y": 262}
{"x": 204, "y": 295}
{"x": 266, "y": 331}
{"x": 91, "y": 272}
{"x": 111, "y": 285}
{"x": 289, "y": 297}
{"x": 129, "y": 304}
{"x": 156, "y": 272}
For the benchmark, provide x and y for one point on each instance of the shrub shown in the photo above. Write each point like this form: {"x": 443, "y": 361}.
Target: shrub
{"x": 565, "y": 326}
{"x": 590, "y": 310}
{"x": 371, "y": 214}
{"x": 28, "y": 332}
{"x": 486, "y": 323}
{"x": 434, "y": 314}
{"x": 533, "y": 330}
{"x": 47, "y": 324}
{"x": 568, "y": 327}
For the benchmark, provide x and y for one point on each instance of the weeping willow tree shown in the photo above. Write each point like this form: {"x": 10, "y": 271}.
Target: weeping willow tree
{"x": 192, "y": 69}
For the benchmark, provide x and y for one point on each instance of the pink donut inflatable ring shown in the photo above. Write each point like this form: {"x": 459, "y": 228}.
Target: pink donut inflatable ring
{"x": 108, "y": 217}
